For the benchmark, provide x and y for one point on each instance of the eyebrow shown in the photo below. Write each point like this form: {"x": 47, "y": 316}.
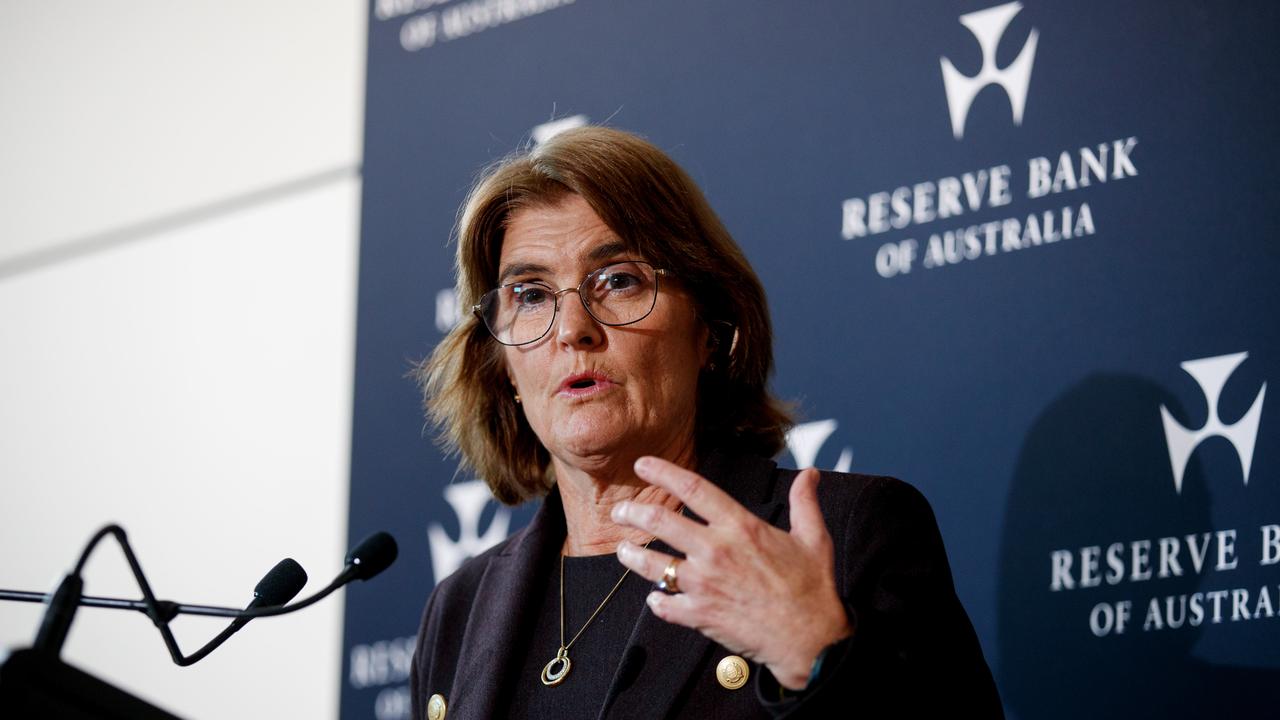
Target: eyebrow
{"x": 520, "y": 269}
{"x": 600, "y": 253}
{"x": 607, "y": 251}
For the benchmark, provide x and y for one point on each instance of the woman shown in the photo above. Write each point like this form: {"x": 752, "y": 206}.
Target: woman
{"x": 639, "y": 412}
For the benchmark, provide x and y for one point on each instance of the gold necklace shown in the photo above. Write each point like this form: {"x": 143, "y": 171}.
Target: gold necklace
{"x": 555, "y": 671}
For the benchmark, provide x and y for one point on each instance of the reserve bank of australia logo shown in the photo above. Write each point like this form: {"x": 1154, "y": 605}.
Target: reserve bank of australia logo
{"x": 806, "y": 439}
{"x": 468, "y": 500}
{"x": 1211, "y": 375}
{"x": 988, "y": 27}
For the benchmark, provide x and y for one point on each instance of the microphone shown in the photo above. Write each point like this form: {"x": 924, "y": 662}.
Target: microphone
{"x": 280, "y": 585}
{"x": 373, "y": 555}
{"x": 277, "y": 587}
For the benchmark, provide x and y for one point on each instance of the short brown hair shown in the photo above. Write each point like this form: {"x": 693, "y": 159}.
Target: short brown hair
{"x": 658, "y": 212}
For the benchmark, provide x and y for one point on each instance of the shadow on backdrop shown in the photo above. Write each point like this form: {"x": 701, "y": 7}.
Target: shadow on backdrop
{"x": 1094, "y": 470}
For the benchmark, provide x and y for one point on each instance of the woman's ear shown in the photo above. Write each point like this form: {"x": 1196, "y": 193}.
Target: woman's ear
{"x": 707, "y": 343}
{"x": 722, "y": 338}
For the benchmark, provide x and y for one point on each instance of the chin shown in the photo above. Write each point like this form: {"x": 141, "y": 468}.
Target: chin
{"x": 589, "y": 442}
{"x": 589, "y": 447}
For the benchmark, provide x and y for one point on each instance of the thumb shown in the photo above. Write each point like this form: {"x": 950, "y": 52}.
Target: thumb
{"x": 807, "y": 524}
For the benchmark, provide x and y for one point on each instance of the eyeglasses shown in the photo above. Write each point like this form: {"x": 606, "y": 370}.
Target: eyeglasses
{"x": 519, "y": 313}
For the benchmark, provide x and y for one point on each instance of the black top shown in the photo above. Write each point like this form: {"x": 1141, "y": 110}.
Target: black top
{"x": 913, "y": 652}
{"x": 596, "y": 653}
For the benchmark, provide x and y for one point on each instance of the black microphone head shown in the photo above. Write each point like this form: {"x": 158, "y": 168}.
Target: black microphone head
{"x": 281, "y": 583}
{"x": 373, "y": 555}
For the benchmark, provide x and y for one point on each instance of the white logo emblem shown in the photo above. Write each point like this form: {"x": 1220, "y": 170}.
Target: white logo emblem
{"x": 448, "y": 313}
{"x": 467, "y": 500}
{"x": 1211, "y": 375}
{"x": 988, "y": 26}
{"x": 806, "y": 439}
{"x": 547, "y": 130}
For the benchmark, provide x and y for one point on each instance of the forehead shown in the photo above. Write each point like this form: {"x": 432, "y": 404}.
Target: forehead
{"x": 559, "y": 236}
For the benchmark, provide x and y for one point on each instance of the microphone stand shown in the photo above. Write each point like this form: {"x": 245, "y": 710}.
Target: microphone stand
{"x": 166, "y": 611}
{"x": 369, "y": 558}
{"x": 35, "y": 682}
{"x": 67, "y": 598}
{"x": 166, "y": 607}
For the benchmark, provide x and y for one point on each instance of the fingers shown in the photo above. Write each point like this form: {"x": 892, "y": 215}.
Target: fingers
{"x": 698, "y": 494}
{"x": 651, "y": 564}
{"x": 673, "y": 528}
{"x": 678, "y": 609}
{"x": 807, "y": 524}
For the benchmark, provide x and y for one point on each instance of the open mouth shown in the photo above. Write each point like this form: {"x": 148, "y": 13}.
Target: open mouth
{"x": 585, "y": 383}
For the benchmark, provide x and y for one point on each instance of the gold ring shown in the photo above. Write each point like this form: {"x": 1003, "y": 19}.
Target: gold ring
{"x": 668, "y": 583}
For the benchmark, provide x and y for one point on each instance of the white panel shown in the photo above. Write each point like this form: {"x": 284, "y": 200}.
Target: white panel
{"x": 195, "y": 387}
{"x": 116, "y": 113}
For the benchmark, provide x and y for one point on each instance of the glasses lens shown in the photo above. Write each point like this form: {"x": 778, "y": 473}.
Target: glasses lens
{"x": 518, "y": 313}
{"x": 621, "y": 293}
{"x": 616, "y": 294}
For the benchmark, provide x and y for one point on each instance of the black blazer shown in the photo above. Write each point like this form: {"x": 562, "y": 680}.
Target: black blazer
{"x": 913, "y": 654}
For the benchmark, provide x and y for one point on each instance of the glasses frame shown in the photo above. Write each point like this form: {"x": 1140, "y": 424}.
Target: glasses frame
{"x": 658, "y": 273}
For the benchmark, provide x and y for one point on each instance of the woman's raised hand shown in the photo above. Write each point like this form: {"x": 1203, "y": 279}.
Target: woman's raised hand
{"x": 767, "y": 594}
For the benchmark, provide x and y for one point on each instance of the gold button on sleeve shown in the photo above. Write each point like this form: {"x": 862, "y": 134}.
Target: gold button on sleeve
{"x": 732, "y": 672}
{"x": 436, "y": 707}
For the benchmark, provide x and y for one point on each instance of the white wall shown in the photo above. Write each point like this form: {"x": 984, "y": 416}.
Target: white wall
{"x": 179, "y": 207}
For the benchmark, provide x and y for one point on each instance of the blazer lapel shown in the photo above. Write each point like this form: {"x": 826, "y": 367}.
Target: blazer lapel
{"x": 501, "y": 613}
{"x": 662, "y": 658}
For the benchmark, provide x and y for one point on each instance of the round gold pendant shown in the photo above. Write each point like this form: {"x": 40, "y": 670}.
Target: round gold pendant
{"x": 554, "y": 672}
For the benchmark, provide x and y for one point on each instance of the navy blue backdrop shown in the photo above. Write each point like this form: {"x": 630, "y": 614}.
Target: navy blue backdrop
{"x": 1016, "y": 254}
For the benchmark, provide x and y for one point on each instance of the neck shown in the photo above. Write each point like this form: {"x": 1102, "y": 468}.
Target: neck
{"x": 590, "y": 494}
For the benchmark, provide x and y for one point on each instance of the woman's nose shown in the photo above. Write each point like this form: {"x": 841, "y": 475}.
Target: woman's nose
{"x": 576, "y": 327}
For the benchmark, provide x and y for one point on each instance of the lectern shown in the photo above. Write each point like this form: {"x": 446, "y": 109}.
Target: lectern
{"x": 35, "y": 684}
